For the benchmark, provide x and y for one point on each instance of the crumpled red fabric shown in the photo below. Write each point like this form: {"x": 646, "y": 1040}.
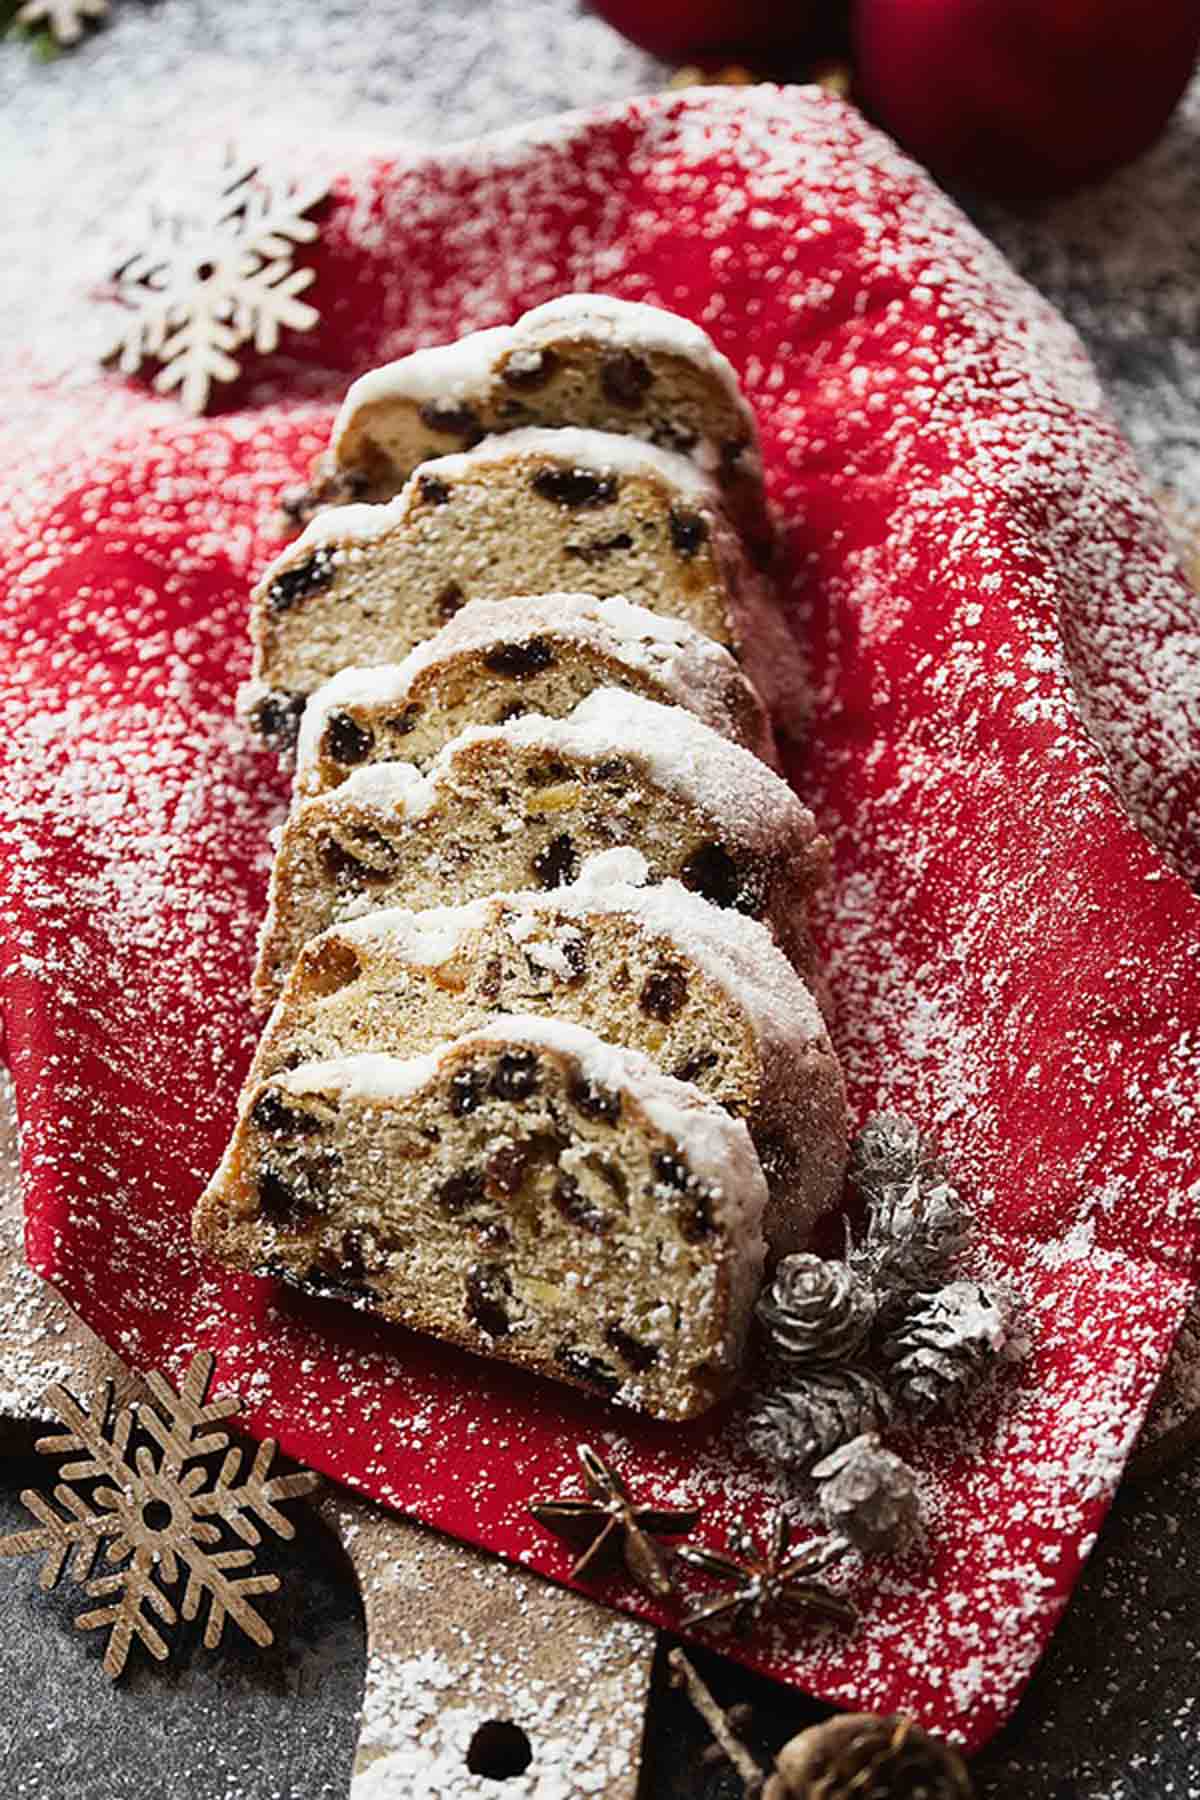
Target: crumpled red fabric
{"x": 992, "y": 619}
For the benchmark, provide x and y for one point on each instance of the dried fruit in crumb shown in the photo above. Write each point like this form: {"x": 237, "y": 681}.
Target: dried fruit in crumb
{"x": 271, "y": 1114}
{"x": 519, "y": 660}
{"x": 625, "y": 378}
{"x": 346, "y": 741}
{"x": 461, "y": 1191}
{"x": 516, "y": 1075}
{"x": 574, "y": 488}
{"x": 466, "y": 1091}
{"x": 452, "y": 421}
{"x": 663, "y": 992}
{"x": 557, "y": 863}
{"x": 712, "y": 872}
{"x": 488, "y": 1291}
{"x": 594, "y": 1101}
{"x": 631, "y": 1350}
{"x": 588, "y": 1369}
{"x": 308, "y": 577}
{"x": 577, "y": 1209}
{"x": 599, "y": 549}
{"x": 433, "y": 490}
{"x": 688, "y": 530}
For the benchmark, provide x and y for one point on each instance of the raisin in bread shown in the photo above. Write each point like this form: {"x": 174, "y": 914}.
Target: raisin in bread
{"x": 531, "y": 513}
{"x": 524, "y": 803}
{"x": 500, "y": 658}
{"x": 582, "y": 359}
{"x": 527, "y": 1191}
{"x": 706, "y": 994}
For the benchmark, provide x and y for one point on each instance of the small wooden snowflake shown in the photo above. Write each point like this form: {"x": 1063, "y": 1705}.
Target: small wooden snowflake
{"x": 148, "y": 1483}
{"x": 64, "y": 19}
{"x": 218, "y": 274}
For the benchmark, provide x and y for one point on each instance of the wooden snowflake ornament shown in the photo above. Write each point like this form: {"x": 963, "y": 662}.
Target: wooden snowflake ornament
{"x": 64, "y": 19}
{"x": 217, "y": 275}
{"x": 148, "y": 1484}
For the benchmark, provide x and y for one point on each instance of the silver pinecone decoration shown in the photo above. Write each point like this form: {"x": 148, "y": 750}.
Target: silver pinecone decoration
{"x": 868, "y": 1495}
{"x": 917, "y": 1225}
{"x": 817, "y": 1311}
{"x": 823, "y": 1408}
{"x": 945, "y": 1345}
{"x": 889, "y": 1149}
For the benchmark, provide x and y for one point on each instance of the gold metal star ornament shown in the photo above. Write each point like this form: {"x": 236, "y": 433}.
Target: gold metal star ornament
{"x": 609, "y": 1524}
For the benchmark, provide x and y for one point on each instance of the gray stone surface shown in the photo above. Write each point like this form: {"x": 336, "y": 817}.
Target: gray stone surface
{"x": 238, "y": 1723}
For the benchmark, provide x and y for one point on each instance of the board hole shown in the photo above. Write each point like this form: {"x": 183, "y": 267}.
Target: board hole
{"x": 500, "y": 1750}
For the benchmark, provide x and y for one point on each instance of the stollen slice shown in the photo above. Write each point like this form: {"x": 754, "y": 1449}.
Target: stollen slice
{"x": 705, "y": 993}
{"x": 527, "y": 1191}
{"x": 580, "y": 359}
{"x": 497, "y": 659}
{"x": 525, "y": 803}
{"x": 536, "y": 511}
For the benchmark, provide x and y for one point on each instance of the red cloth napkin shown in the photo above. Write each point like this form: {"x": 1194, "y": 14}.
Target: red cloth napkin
{"x": 1012, "y": 959}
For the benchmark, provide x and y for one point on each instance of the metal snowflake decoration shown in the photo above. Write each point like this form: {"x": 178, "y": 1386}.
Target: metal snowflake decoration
{"x": 768, "y": 1579}
{"x": 64, "y": 19}
{"x": 610, "y": 1523}
{"x": 148, "y": 1484}
{"x": 218, "y": 275}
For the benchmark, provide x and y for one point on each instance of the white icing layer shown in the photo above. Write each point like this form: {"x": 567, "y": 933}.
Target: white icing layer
{"x": 367, "y": 1075}
{"x": 571, "y": 445}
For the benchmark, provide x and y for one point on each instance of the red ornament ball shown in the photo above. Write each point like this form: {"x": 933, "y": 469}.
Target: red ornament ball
{"x": 1023, "y": 99}
{"x": 690, "y": 28}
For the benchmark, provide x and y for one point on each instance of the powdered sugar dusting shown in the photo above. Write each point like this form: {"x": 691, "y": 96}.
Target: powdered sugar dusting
{"x": 1012, "y": 961}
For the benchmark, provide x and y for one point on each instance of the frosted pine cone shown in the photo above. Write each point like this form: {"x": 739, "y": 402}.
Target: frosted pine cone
{"x": 889, "y": 1151}
{"x": 817, "y": 1311}
{"x": 945, "y": 1345}
{"x": 869, "y": 1495}
{"x": 915, "y": 1233}
{"x": 860, "y": 1756}
{"x": 824, "y": 1408}
{"x": 917, "y": 1224}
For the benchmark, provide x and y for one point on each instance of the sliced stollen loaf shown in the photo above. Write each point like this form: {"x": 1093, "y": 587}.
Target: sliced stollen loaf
{"x": 527, "y": 1191}
{"x": 707, "y": 994}
{"x": 534, "y": 512}
{"x": 520, "y": 804}
{"x": 498, "y": 659}
{"x": 581, "y": 359}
